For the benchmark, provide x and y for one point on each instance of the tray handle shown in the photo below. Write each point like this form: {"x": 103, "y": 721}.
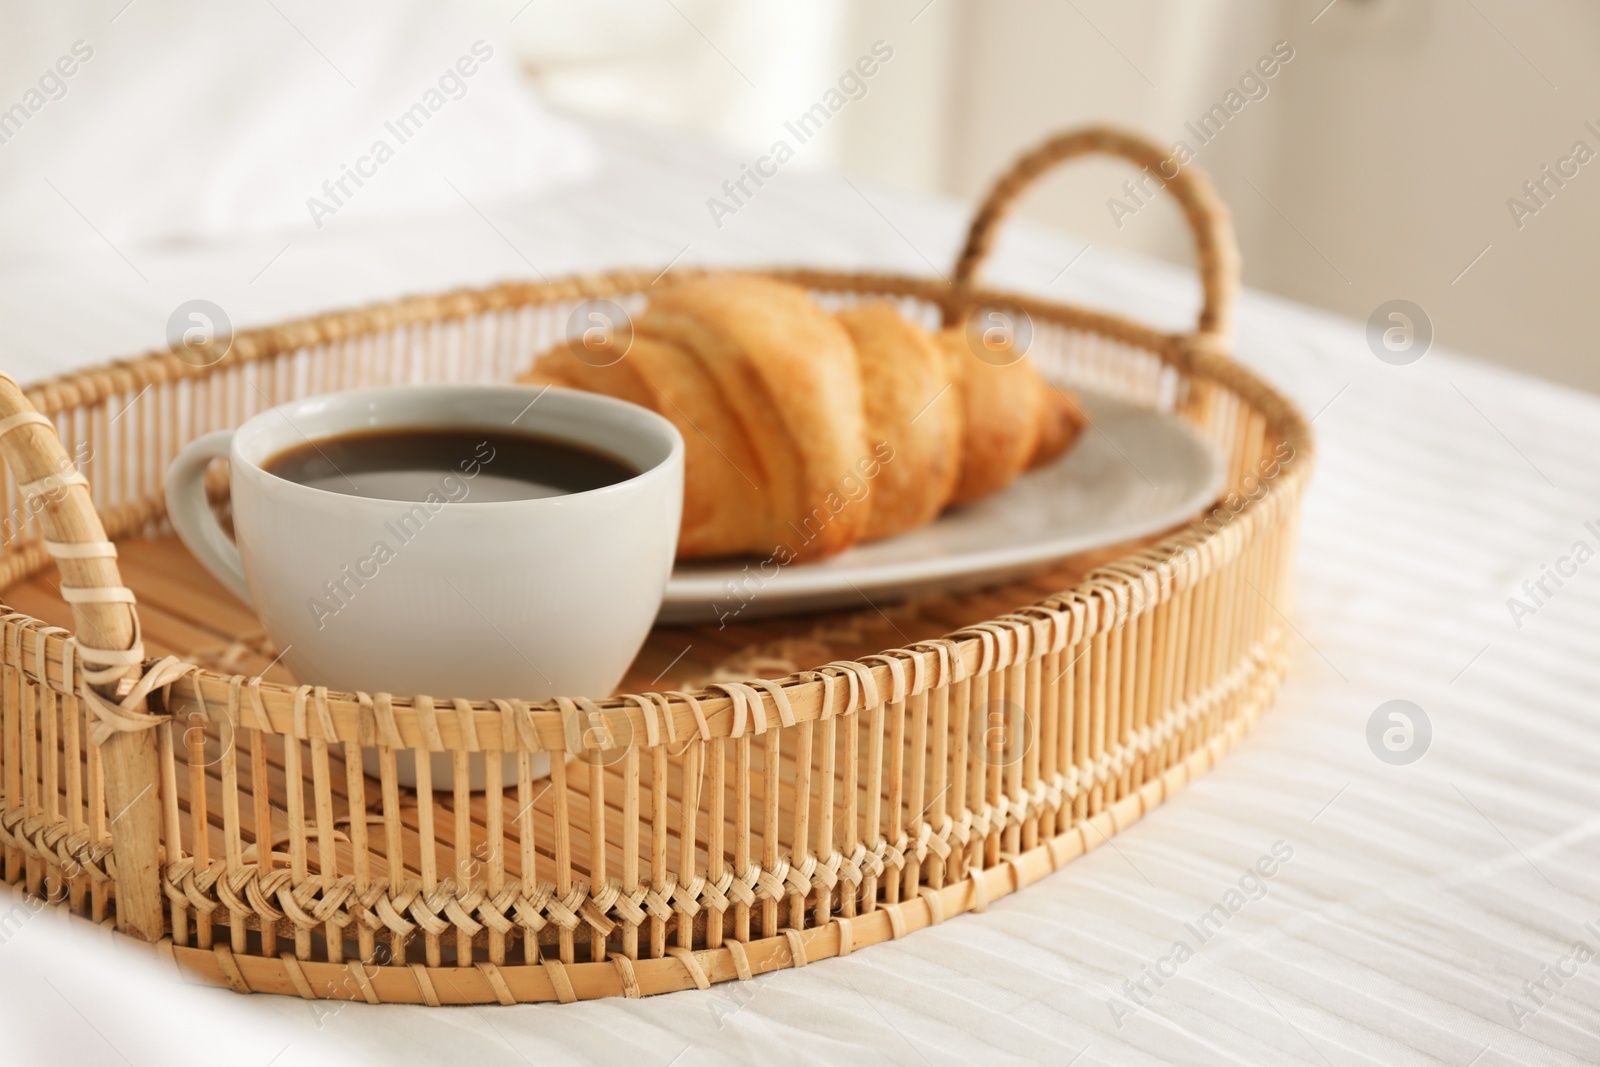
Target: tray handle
{"x": 1217, "y": 250}
{"x": 110, "y": 654}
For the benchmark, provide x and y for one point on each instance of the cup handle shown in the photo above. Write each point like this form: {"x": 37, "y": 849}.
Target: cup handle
{"x": 192, "y": 516}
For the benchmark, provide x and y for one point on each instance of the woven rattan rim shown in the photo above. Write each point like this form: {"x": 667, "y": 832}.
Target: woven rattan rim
{"x": 126, "y": 696}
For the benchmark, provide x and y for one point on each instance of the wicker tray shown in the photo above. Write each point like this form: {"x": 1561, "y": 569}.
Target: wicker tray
{"x": 798, "y": 793}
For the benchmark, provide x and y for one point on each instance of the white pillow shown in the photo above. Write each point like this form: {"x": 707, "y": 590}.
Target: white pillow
{"x": 195, "y": 121}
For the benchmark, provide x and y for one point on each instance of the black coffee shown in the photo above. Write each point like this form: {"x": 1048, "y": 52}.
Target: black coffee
{"x": 479, "y": 465}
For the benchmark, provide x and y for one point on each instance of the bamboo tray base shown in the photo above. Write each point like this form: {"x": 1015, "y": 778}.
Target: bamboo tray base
{"x": 759, "y": 797}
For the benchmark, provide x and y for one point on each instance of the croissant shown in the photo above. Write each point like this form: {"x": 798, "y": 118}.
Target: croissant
{"x": 805, "y": 432}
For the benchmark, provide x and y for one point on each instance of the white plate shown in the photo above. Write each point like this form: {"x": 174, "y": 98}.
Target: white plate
{"x": 1135, "y": 472}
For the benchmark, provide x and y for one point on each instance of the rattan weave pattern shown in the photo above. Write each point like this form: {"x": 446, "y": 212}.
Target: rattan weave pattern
{"x": 695, "y": 835}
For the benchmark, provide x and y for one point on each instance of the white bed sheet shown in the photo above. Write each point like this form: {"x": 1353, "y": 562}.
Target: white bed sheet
{"x": 1417, "y": 900}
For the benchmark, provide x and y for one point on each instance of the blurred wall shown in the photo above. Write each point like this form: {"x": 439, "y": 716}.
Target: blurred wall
{"x": 1379, "y": 162}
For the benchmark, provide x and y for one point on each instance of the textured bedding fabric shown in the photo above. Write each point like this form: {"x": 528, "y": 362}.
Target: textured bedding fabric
{"x": 1442, "y": 911}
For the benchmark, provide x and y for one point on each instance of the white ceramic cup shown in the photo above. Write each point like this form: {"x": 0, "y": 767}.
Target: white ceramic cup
{"x": 528, "y": 598}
